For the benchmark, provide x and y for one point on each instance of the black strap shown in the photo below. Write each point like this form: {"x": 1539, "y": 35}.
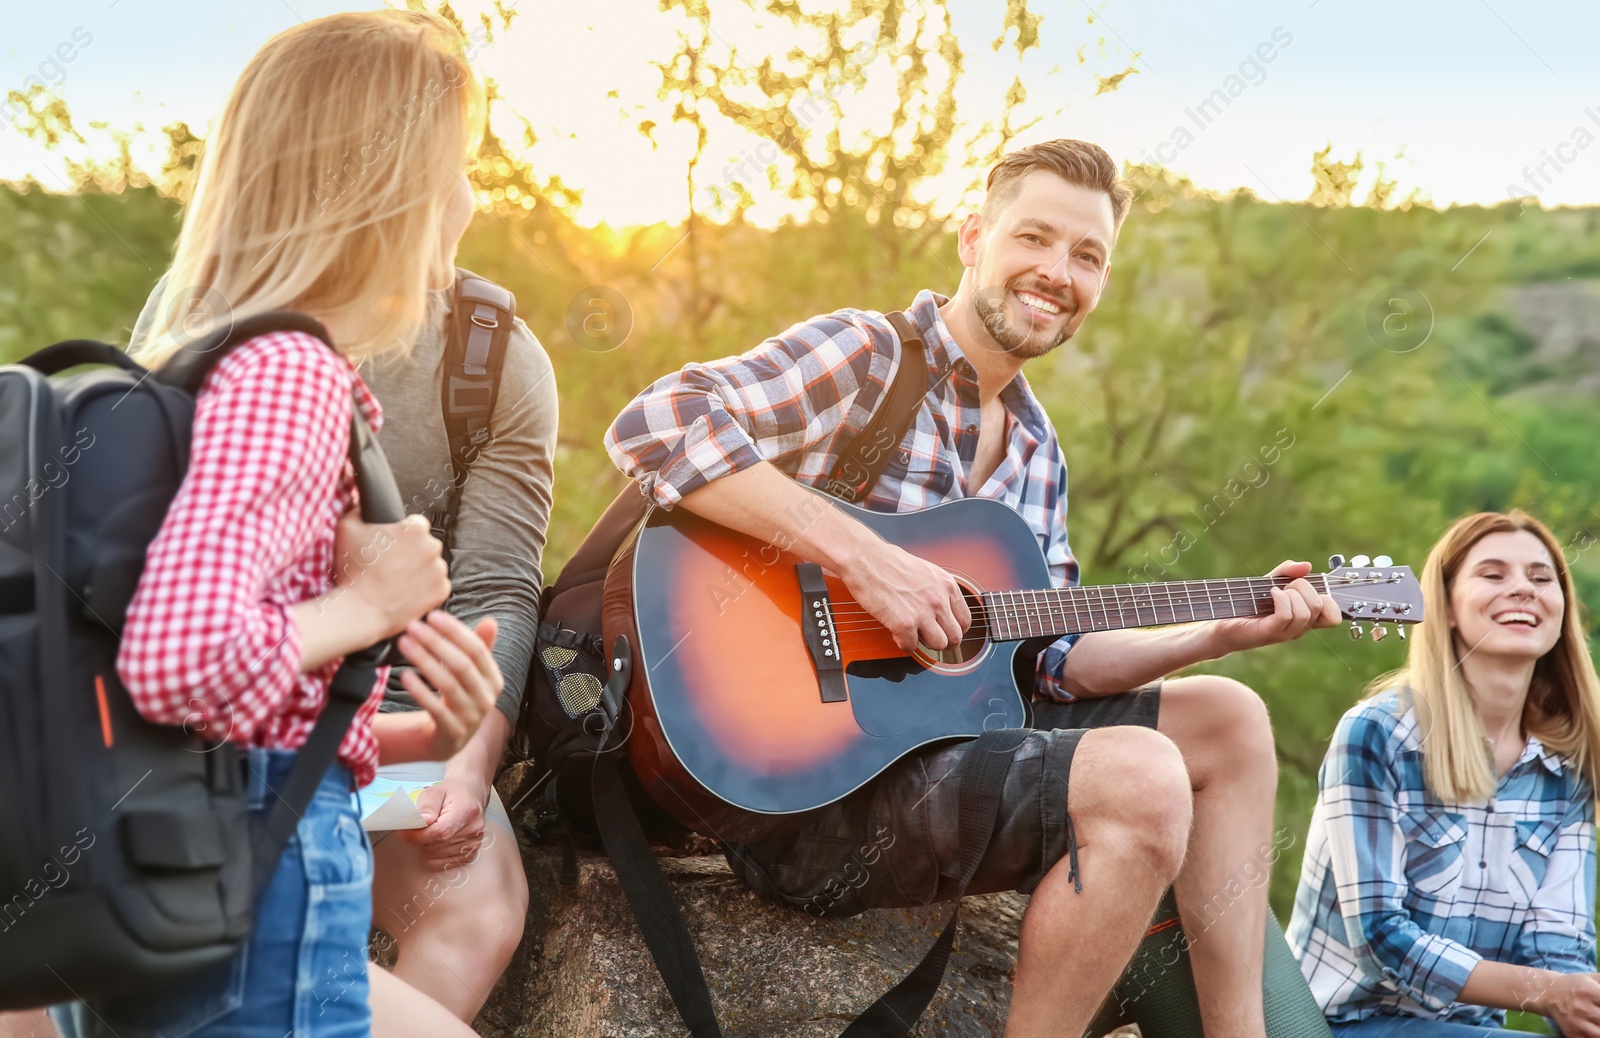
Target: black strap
{"x": 660, "y": 919}
{"x": 859, "y": 465}
{"x": 982, "y": 782}
{"x": 481, "y": 317}
{"x": 63, "y": 355}
{"x": 16, "y": 594}
{"x": 981, "y": 778}
{"x": 639, "y": 874}
{"x": 352, "y": 682}
{"x": 189, "y": 366}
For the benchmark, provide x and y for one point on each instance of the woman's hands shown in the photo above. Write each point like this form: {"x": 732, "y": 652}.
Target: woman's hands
{"x": 1573, "y": 1001}
{"x": 395, "y": 571}
{"x": 455, "y": 681}
{"x": 453, "y": 810}
{"x": 385, "y": 575}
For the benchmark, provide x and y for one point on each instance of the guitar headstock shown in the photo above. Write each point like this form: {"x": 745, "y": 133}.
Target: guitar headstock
{"x": 1375, "y": 590}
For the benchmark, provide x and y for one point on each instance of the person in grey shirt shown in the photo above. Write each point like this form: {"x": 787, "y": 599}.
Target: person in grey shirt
{"x": 453, "y": 895}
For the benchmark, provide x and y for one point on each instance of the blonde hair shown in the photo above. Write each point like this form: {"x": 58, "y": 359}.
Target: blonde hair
{"x": 324, "y": 184}
{"x": 1563, "y": 705}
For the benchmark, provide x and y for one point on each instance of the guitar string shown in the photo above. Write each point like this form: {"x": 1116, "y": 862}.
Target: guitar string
{"x": 1110, "y": 619}
{"x": 1113, "y": 622}
{"x": 1214, "y": 588}
{"x": 1023, "y": 614}
{"x": 1105, "y": 621}
{"x": 1119, "y": 603}
{"x": 1133, "y": 597}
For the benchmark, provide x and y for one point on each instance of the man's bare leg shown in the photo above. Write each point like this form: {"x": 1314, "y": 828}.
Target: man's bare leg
{"x": 456, "y": 929}
{"x": 1130, "y": 805}
{"x": 1221, "y": 727}
{"x": 401, "y": 1011}
{"x": 29, "y": 1023}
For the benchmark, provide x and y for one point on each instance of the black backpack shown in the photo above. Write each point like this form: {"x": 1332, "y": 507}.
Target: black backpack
{"x": 575, "y": 723}
{"x": 127, "y": 854}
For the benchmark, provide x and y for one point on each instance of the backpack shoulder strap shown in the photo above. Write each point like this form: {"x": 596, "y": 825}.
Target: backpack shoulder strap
{"x": 188, "y": 368}
{"x": 352, "y": 682}
{"x": 860, "y": 464}
{"x": 479, "y": 329}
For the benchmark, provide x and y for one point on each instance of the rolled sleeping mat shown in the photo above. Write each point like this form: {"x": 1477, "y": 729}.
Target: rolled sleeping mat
{"x": 1157, "y": 989}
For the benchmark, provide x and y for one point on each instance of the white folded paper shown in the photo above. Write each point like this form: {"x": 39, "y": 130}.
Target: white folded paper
{"x": 387, "y": 804}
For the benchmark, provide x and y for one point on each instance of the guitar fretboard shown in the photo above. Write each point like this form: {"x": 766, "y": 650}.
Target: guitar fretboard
{"x": 1049, "y": 613}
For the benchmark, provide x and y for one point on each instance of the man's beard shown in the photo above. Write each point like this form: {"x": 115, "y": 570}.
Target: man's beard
{"x": 1021, "y": 340}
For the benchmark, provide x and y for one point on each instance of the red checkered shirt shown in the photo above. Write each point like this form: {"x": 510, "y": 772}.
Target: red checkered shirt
{"x": 209, "y": 643}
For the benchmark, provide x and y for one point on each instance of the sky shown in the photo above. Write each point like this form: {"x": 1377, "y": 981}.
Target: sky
{"x": 1464, "y": 101}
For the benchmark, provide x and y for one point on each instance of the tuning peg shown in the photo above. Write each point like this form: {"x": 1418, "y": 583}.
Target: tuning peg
{"x": 1355, "y": 632}
{"x": 1400, "y": 629}
{"x": 1335, "y": 561}
{"x": 1360, "y": 562}
{"x": 1379, "y": 632}
{"x": 1383, "y": 561}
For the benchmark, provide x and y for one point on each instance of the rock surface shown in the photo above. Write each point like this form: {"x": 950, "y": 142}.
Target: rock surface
{"x": 583, "y": 970}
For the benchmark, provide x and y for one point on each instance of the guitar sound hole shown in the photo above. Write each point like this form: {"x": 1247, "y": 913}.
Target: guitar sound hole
{"x": 969, "y": 648}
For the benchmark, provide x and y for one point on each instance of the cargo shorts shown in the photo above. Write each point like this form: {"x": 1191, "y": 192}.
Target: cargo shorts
{"x": 896, "y": 843}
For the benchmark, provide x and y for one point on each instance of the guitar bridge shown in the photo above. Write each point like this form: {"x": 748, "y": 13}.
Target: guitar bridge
{"x": 816, "y": 626}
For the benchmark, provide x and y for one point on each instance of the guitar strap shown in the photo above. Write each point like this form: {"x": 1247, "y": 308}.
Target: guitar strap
{"x": 859, "y": 465}
{"x": 654, "y": 906}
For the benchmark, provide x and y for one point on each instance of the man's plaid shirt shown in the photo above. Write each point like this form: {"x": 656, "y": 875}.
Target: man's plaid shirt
{"x": 1401, "y": 894}
{"x": 799, "y": 399}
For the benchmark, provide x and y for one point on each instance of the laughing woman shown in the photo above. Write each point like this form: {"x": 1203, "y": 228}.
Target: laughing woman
{"x": 1449, "y": 872}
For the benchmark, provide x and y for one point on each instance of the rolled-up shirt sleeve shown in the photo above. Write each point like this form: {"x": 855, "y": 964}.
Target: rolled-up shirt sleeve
{"x": 1368, "y": 857}
{"x": 794, "y": 393}
{"x": 203, "y": 645}
{"x": 1559, "y": 933}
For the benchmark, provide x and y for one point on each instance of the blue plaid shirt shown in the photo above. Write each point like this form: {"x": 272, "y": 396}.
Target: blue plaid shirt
{"x": 1401, "y": 894}
{"x": 799, "y": 399}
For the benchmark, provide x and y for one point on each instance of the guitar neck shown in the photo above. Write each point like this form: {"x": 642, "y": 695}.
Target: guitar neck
{"x": 1050, "y": 613}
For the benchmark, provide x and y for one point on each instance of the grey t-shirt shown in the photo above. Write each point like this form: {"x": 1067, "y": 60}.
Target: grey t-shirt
{"x": 499, "y": 533}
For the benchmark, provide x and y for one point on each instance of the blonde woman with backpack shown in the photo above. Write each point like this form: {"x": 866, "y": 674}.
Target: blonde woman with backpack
{"x": 332, "y": 185}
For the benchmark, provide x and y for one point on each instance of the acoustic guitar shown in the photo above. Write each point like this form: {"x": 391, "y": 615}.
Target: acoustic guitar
{"x": 760, "y": 689}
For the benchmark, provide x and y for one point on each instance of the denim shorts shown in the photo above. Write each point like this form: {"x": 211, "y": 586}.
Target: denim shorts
{"x": 896, "y": 842}
{"x": 305, "y": 966}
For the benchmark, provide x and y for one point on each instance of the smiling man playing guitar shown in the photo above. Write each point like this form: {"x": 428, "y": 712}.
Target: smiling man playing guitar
{"x": 730, "y": 440}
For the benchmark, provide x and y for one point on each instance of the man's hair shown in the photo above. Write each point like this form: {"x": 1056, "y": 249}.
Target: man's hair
{"x": 1076, "y": 162}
